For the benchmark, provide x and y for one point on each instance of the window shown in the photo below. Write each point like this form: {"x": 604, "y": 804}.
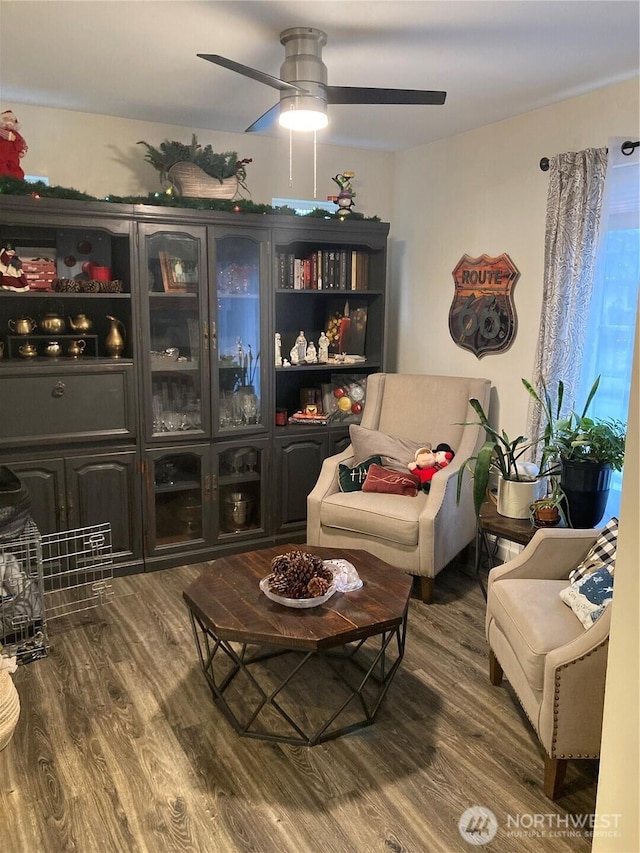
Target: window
{"x": 612, "y": 316}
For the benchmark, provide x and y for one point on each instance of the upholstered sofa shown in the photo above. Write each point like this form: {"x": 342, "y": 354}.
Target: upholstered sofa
{"x": 418, "y": 535}
{"x": 556, "y": 667}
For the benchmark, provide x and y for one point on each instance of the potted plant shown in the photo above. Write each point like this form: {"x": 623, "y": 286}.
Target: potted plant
{"x": 549, "y": 510}
{"x": 587, "y": 451}
{"x": 197, "y": 171}
{"x": 519, "y": 482}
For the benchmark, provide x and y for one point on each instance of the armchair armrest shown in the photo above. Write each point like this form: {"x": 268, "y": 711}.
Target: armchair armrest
{"x": 550, "y": 555}
{"x": 326, "y": 484}
{"x": 444, "y": 522}
{"x": 570, "y": 720}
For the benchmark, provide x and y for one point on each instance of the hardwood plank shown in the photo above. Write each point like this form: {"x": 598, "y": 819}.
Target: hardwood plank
{"x": 121, "y": 748}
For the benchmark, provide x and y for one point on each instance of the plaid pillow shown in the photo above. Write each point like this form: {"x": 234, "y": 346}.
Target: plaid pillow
{"x": 601, "y": 556}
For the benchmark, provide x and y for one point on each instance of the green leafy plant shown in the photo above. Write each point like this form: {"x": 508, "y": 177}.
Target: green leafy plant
{"x": 505, "y": 456}
{"x": 220, "y": 166}
{"x": 579, "y": 438}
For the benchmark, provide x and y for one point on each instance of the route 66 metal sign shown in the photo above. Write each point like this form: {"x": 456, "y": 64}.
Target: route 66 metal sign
{"x": 482, "y": 317}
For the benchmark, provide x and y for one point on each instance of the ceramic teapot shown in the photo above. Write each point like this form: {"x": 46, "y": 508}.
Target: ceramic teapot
{"x": 52, "y": 324}
{"x": 22, "y": 326}
{"x": 81, "y": 324}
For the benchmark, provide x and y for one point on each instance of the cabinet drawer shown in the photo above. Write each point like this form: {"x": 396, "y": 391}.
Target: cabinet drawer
{"x": 82, "y": 403}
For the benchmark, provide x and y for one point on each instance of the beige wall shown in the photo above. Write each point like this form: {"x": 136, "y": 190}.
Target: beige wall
{"x": 619, "y": 784}
{"x": 484, "y": 192}
{"x": 98, "y": 155}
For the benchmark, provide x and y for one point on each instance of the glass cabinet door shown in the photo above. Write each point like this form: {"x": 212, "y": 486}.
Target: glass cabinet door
{"x": 174, "y": 270}
{"x": 238, "y": 334}
{"x": 241, "y": 483}
{"x": 179, "y": 498}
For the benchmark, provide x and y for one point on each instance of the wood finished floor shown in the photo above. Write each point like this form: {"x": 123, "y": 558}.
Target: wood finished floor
{"x": 120, "y": 748}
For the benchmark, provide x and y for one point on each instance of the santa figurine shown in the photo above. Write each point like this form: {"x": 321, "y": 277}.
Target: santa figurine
{"x": 12, "y": 146}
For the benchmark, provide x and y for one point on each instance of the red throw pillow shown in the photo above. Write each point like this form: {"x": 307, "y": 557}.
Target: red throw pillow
{"x": 390, "y": 482}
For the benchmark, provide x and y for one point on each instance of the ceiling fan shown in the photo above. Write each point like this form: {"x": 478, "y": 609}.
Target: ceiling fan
{"x": 304, "y": 93}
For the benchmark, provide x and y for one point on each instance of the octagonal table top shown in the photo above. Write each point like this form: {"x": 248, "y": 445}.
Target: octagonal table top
{"x": 228, "y": 600}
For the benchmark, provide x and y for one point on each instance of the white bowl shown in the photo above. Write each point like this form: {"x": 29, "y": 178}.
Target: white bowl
{"x": 295, "y": 602}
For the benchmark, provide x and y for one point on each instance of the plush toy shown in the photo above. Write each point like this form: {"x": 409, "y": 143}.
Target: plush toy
{"x": 12, "y": 146}
{"x": 11, "y": 275}
{"x": 428, "y": 462}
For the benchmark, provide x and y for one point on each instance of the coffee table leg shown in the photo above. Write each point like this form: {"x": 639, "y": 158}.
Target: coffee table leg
{"x": 378, "y": 672}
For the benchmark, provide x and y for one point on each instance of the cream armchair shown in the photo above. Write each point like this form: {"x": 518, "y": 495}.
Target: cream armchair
{"x": 416, "y": 535}
{"x": 556, "y": 667}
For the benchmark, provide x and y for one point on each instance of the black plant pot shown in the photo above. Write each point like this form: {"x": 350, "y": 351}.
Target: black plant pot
{"x": 586, "y": 486}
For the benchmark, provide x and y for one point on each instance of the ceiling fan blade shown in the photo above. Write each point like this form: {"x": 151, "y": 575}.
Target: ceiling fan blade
{"x": 266, "y": 120}
{"x": 260, "y": 76}
{"x": 364, "y": 95}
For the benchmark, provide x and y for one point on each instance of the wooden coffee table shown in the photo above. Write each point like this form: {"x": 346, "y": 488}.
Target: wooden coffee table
{"x": 298, "y": 675}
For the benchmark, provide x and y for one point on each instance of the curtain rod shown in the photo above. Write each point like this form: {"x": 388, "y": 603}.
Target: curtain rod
{"x": 627, "y": 148}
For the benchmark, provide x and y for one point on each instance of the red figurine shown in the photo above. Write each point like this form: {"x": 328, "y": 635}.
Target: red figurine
{"x": 12, "y": 146}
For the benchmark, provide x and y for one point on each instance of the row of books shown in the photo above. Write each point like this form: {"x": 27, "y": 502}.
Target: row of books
{"x": 324, "y": 269}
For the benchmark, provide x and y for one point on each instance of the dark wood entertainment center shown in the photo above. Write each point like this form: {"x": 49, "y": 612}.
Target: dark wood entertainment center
{"x": 173, "y": 439}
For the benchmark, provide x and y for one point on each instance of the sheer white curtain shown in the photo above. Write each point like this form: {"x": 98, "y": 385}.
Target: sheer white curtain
{"x": 574, "y": 203}
{"x": 612, "y": 309}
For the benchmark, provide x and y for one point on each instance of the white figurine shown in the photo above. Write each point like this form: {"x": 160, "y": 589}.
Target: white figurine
{"x": 293, "y": 355}
{"x": 278, "y": 350}
{"x": 301, "y": 347}
{"x": 323, "y": 349}
{"x": 311, "y": 357}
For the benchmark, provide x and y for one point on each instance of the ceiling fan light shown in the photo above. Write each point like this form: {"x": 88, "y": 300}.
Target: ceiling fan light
{"x": 303, "y": 120}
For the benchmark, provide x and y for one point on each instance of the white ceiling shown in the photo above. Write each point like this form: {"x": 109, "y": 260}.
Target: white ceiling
{"x": 138, "y": 59}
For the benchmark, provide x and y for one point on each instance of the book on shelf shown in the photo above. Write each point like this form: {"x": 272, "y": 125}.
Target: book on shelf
{"x": 323, "y": 269}
{"x": 304, "y": 418}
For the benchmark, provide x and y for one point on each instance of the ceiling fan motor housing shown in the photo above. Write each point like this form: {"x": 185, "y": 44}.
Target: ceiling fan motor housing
{"x": 303, "y": 66}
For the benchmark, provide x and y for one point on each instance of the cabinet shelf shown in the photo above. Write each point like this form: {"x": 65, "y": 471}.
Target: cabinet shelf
{"x": 161, "y": 294}
{"x": 349, "y": 368}
{"x": 54, "y": 295}
{"x": 176, "y": 486}
{"x": 235, "y": 479}
{"x": 176, "y": 367}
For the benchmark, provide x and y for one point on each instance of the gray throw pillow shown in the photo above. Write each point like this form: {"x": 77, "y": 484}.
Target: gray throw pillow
{"x": 396, "y": 452}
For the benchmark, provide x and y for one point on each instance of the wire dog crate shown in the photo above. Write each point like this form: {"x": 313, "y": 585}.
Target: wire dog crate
{"x": 22, "y": 622}
{"x": 44, "y": 577}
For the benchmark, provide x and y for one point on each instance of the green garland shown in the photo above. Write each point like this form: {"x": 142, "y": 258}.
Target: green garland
{"x": 14, "y": 186}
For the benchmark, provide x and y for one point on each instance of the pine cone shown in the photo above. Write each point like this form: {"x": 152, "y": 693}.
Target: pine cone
{"x": 298, "y": 589}
{"x": 299, "y": 575}
{"x": 317, "y": 586}
{"x": 280, "y": 564}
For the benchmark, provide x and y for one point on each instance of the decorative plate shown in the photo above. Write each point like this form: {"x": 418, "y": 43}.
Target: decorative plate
{"x": 295, "y": 602}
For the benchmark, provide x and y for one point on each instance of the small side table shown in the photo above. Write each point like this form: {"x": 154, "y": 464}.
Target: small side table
{"x": 520, "y": 530}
